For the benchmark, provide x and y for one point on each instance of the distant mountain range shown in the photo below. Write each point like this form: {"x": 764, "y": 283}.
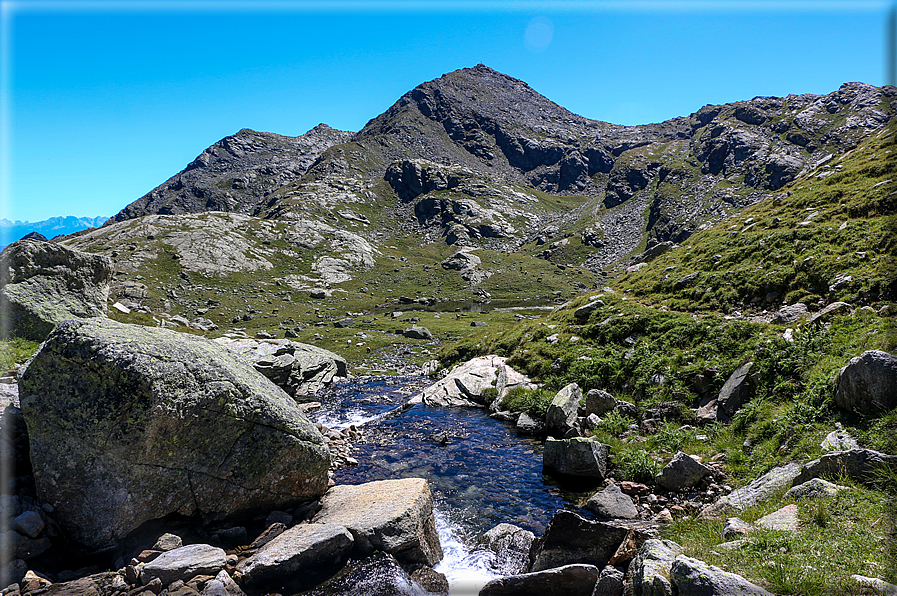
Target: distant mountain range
{"x": 11, "y": 231}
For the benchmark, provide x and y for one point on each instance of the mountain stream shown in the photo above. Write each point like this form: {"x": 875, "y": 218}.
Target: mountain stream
{"x": 483, "y": 475}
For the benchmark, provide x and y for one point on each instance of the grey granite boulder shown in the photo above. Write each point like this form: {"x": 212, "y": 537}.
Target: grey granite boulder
{"x": 569, "y": 580}
{"x": 683, "y": 471}
{"x": 222, "y": 585}
{"x": 696, "y": 578}
{"x": 857, "y": 464}
{"x": 737, "y": 390}
{"x": 610, "y": 582}
{"x": 612, "y": 503}
{"x": 579, "y": 456}
{"x": 757, "y": 491}
{"x": 183, "y": 563}
{"x": 42, "y": 283}
{"x": 868, "y": 384}
{"x": 129, "y": 424}
{"x": 650, "y": 569}
{"x": 299, "y": 369}
{"x": 791, "y": 313}
{"x": 464, "y": 385}
{"x": 304, "y": 548}
{"x": 377, "y": 575}
{"x": 511, "y": 545}
{"x": 417, "y": 332}
{"x": 395, "y": 516}
{"x": 599, "y": 402}
{"x": 560, "y": 420}
{"x": 815, "y": 488}
{"x": 571, "y": 538}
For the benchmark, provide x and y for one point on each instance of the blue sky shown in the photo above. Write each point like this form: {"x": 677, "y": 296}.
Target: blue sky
{"x": 104, "y": 100}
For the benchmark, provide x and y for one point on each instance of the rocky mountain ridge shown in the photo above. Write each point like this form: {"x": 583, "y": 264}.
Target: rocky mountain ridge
{"x": 477, "y": 157}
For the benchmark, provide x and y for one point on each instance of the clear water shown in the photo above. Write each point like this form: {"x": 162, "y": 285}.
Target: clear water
{"x": 484, "y": 475}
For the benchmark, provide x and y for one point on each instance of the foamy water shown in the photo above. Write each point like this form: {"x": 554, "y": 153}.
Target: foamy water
{"x": 467, "y": 568}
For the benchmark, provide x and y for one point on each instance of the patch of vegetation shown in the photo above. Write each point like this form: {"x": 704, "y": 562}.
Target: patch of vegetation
{"x": 16, "y": 351}
{"x": 534, "y": 402}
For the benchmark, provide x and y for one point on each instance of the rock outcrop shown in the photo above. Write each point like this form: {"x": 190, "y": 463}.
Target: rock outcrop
{"x": 465, "y": 384}
{"x": 42, "y": 283}
{"x": 130, "y": 424}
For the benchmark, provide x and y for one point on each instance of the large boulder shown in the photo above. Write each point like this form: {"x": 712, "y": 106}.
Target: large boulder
{"x": 130, "y": 424}
{"x": 42, "y": 283}
{"x": 578, "y": 456}
{"x": 299, "y": 369}
{"x": 612, "y": 503}
{"x": 868, "y": 384}
{"x": 379, "y": 574}
{"x": 683, "y": 471}
{"x": 569, "y": 580}
{"x": 304, "y": 549}
{"x": 571, "y": 538}
{"x": 511, "y": 545}
{"x": 696, "y": 578}
{"x": 754, "y": 493}
{"x": 394, "y": 516}
{"x": 465, "y": 384}
{"x": 650, "y": 569}
{"x": 560, "y": 420}
{"x": 860, "y": 465}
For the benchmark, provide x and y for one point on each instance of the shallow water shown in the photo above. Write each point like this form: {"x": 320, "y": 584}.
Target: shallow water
{"x": 484, "y": 475}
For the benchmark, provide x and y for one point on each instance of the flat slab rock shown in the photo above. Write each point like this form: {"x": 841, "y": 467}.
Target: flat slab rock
{"x": 784, "y": 519}
{"x": 756, "y": 492}
{"x": 302, "y": 548}
{"x": 183, "y": 563}
{"x": 395, "y": 516}
{"x": 568, "y": 580}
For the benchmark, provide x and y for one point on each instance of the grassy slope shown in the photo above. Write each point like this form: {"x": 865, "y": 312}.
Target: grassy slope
{"x": 650, "y": 339}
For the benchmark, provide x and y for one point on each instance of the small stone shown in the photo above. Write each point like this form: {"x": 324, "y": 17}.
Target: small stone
{"x": 167, "y": 542}
{"x": 784, "y": 519}
{"x": 29, "y": 523}
{"x": 736, "y": 527}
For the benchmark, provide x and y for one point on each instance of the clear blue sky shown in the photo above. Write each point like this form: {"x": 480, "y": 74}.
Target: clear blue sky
{"x": 103, "y": 101}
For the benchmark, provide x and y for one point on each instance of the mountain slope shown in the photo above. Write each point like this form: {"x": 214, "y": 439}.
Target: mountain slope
{"x": 479, "y": 158}
{"x": 55, "y": 226}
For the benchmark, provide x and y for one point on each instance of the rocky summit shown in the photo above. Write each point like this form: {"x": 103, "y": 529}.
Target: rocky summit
{"x": 483, "y": 339}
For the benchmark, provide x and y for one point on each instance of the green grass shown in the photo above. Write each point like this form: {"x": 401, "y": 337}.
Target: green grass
{"x": 16, "y": 351}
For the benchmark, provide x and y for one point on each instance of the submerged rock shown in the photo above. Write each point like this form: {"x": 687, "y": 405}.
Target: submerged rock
{"x": 42, "y": 283}
{"x": 130, "y": 424}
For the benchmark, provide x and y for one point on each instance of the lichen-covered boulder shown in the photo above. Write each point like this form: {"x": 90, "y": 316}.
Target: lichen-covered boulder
{"x": 560, "y": 419}
{"x": 579, "y": 456}
{"x": 868, "y": 384}
{"x": 42, "y": 283}
{"x": 129, "y": 424}
{"x": 650, "y": 569}
{"x": 696, "y": 578}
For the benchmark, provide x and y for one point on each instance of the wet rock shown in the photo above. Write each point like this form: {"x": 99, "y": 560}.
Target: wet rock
{"x": 210, "y": 435}
{"x": 757, "y": 491}
{"x": 303, "y": 549}
{"x": 737, "y": 390}
{"x": 395, "y": 516}
{"x": 570, "y": 538}
{"x": 610, "y": 582}
{"x": 379, "y": 574}
{"x": 183, "y": 563}
{"x": 683, "y": 471}
{"x": 431, "y": 580}
{"x": 815, "y": 488}
{"x": 857, "y": 464}
{"x": 868, "y": 384}
{"x": 511, "y": 545}
{"x": 576, "y": 457}
{"x": 569, "y": 580}
{"x": 650, "y": 569}
{"x": 696, "y": 578}
{"x": 527, "y": 425}
{"x": 612, "y": 503}
{"x": 560, "y": 420}
{"x": 42, "y": 283}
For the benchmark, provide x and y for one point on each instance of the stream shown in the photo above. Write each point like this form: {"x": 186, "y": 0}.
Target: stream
{"x": 485, "y": 474}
